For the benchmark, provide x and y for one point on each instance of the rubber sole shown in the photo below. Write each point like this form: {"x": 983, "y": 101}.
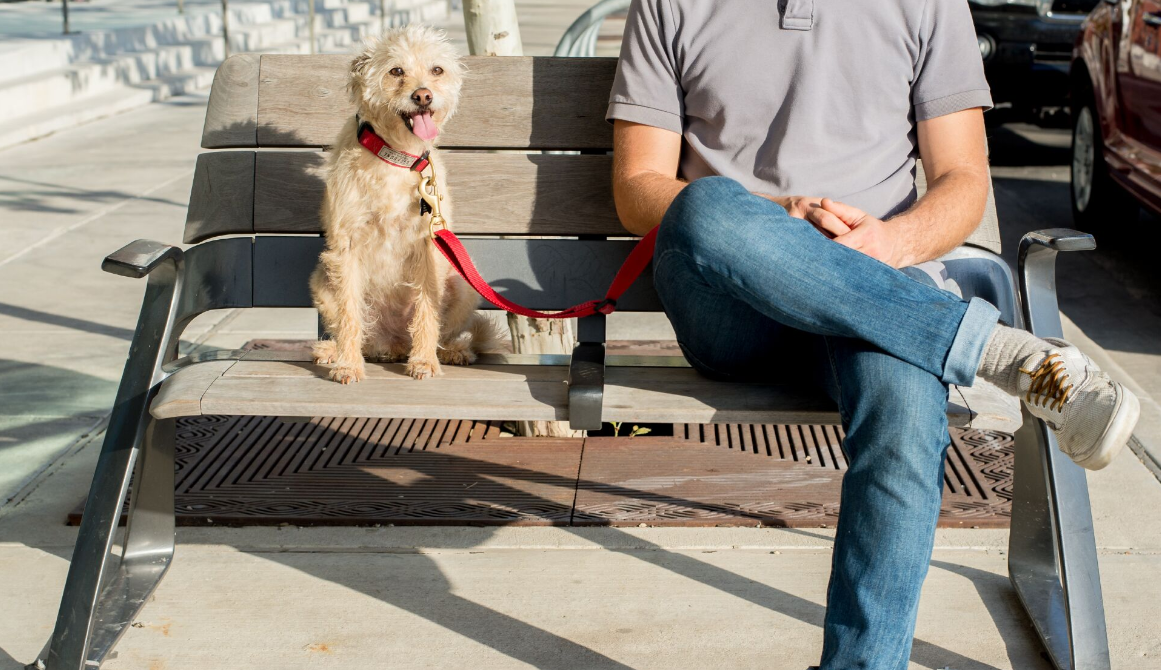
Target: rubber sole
{"x": 1119, "y": 430}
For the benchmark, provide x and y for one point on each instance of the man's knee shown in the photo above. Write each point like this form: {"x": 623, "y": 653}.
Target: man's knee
{"x": 713, "y": 213}
{"x": 697, "y": 214}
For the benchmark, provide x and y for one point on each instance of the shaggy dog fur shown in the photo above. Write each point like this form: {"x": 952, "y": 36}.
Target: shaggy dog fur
{"x": 381, "y": 287}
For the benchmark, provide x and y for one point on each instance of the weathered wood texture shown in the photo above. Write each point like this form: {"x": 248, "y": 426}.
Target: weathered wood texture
{"x": 232, "y": 114}
{"x": 221, "y": 201}
{"x": 287, "y": 384}
{"x": 507, "y": 103}
{"x": 516, "y": 103}
{"x": 494, "y": 194}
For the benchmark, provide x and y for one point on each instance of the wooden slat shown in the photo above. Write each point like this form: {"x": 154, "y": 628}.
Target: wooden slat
{"x": 288, "y": 191}
{"x": 221, "y": 201}
{"x": 395, "y": 372}
{"x": 536, "y": 103}
{"x": 494, "y": 194}
{"x": 183, "y": 397}
{"x": 232, "y": 114}
{"x": 289, "y": 387}
{"x": 440, "y": 398}
{"x": 240, "y": 192}
{"x": 989, "y": 407}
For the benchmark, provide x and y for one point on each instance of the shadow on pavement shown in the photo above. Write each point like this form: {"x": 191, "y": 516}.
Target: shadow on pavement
{"x": 83, "y": 325}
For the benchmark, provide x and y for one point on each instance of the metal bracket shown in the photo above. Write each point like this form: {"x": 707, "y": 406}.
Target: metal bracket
{"x": 586, "y": 374}
{"x": 1052, "y": 558}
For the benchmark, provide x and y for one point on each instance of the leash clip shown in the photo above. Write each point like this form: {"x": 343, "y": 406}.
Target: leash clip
{"x": 430, "y": 194}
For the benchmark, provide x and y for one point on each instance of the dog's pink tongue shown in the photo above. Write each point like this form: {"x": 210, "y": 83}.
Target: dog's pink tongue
{"x": 423, "y": 127}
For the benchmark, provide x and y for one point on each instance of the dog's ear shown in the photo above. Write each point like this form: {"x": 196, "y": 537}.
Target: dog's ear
{"x": 358, "y": 74}
{"x": 360, "y": 63}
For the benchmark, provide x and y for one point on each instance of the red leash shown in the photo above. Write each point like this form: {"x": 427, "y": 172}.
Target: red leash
{"x": 452, "y": 249}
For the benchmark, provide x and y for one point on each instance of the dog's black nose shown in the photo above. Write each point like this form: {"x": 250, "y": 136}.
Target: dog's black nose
{"x": 422, "y": 97}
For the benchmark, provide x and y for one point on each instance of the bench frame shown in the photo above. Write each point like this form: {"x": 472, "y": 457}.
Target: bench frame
{"x": 1052, "y": 558}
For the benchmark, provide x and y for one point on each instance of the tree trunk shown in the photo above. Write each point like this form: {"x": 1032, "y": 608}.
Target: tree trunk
{"x": 493, "y": 30}
{"x": 543, "y": 336}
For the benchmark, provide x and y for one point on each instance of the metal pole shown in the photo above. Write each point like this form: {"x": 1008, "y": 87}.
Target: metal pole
{"x": 382, "y": 16}
{"x": 64, "y": 8}
{"x": 312, "y": 44}
{"x": 181, "y": 6}
{"x": 226, "y": 26}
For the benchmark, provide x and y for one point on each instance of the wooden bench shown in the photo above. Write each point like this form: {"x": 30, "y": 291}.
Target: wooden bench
{"x": 253, "y": 220}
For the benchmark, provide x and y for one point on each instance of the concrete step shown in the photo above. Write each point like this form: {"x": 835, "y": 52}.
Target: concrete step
{"x": 22, "y": 57}
{"x": 115, "y": 101}
{"x": 114, "y": 81}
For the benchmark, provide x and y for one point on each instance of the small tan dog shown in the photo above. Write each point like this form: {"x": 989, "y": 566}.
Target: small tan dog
{"x": 381, "y": 287}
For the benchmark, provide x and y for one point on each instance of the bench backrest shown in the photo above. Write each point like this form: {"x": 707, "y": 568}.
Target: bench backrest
{"x": 270, "y": 108}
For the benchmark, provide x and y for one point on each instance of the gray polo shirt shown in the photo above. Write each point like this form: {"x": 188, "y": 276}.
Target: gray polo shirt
{"x": 800, "y": 97}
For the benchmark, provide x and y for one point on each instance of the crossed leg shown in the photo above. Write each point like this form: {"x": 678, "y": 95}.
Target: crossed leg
{"x": 752, "y": 292}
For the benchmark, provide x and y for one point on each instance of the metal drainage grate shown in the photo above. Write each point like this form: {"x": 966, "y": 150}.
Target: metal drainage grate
{"x": 335, "y": 471}
{"x": 773, "y": 475}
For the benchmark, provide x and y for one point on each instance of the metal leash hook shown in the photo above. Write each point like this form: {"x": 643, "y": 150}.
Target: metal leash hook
{"x": 429, "y": 192}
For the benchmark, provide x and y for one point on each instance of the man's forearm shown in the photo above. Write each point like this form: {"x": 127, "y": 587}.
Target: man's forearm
{"x": 643, "y": 198}
{"x": 943, "y": 218}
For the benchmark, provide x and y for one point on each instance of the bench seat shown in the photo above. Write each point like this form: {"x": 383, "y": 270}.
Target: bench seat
{"x": 524, "y": 387}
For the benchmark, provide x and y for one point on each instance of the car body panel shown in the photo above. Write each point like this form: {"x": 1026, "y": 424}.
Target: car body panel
{"x": 1118, "y": 54}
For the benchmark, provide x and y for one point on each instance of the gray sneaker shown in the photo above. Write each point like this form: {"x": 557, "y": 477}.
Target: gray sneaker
{"x": 1092, "y": 415}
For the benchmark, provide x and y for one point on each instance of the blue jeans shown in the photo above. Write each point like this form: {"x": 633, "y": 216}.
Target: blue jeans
{"x": 754, "y": 293}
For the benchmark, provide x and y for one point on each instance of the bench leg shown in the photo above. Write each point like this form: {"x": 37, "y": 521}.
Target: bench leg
{"x": 104, "y": 592}
{"x": 1052, "y": 558}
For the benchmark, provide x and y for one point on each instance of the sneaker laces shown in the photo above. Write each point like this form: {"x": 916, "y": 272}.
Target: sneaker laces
{"x": 1050, "y": 383}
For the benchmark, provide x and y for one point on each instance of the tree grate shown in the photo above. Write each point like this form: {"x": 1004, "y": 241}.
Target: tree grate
{"x": 351, "y": 471}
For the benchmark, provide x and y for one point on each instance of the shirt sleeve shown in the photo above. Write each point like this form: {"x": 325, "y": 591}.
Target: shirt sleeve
{"x": 647, "y": 89}
{"x": 949, "y": 73}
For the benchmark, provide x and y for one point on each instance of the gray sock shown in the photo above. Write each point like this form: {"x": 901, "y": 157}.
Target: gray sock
{"x": 1006, "y": 350}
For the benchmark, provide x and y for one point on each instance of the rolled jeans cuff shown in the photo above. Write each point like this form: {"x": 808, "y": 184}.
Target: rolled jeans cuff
{"x": 963, "y": 359}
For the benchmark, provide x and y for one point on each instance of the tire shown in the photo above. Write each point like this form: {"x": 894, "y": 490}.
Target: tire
{"x": 1097, "y": 201}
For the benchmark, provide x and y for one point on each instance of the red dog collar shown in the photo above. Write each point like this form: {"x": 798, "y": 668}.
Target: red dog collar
{"x": 388, "y": 154}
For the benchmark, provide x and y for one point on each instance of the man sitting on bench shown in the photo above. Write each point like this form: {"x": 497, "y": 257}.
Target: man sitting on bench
{"x": 722, "y": 111}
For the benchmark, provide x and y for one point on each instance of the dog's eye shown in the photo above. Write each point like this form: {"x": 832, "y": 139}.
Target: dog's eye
{"x": 437, "y": 70}
{"x": 397, "y": 71}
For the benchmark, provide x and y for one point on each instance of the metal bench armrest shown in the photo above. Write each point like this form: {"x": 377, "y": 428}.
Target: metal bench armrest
{"x": 138, "y": 259}
{"x": 1052, "y": 559}
{"x": 1037, "y": 275}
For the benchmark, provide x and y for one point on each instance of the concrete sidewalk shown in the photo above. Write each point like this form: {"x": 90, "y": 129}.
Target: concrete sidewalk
{"x": 440, "y": 597}
{"x": 565, "y": 598}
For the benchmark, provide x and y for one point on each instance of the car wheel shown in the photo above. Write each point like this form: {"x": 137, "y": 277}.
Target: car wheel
{"x": 1096, "y": 198}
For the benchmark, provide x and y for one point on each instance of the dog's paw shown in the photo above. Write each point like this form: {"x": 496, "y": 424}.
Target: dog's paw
{"x": 348, "y": 374}
{"x": 324, "y": 352}
{"x": 456, "y": 356}
{"x": 422, "y": 369}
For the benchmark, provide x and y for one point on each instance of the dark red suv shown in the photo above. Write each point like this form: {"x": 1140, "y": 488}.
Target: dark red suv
{"x": 1116, "y": 112}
